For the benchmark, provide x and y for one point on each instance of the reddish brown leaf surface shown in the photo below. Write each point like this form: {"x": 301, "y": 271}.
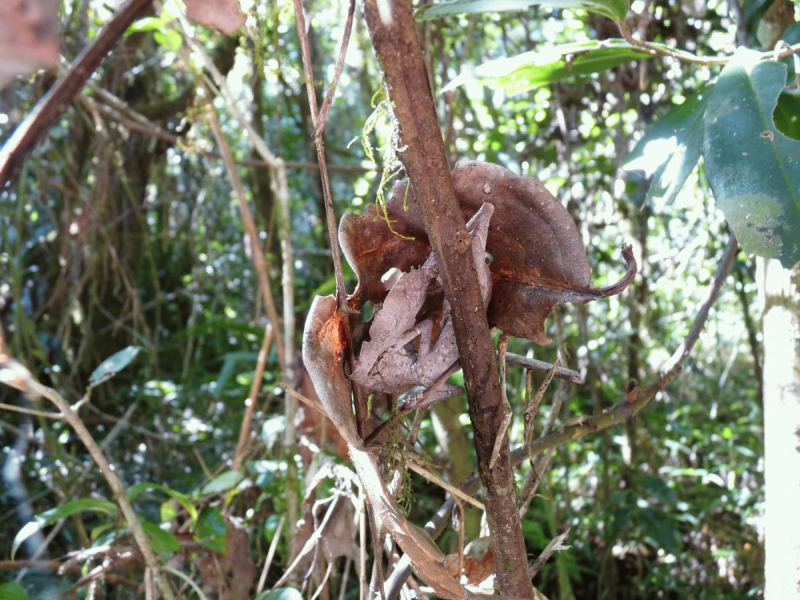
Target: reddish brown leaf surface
{"x": 538, "y": 255}
{"x": 28, "y": 37}
{"x": 322, "y": 355}
{"x": 223, "y": 15}
{"x": 403, "y": 353}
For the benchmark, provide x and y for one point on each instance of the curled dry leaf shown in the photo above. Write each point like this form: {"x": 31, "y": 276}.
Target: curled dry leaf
{"x": 223, "y": 15}
{"x": 403, "y": 353}
{"x": 28, "y": 37}
{"x": 323, "y": 345}
{"x": 538, "y": 256}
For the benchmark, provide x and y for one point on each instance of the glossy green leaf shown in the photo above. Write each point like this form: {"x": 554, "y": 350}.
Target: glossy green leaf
{"x": 753, "y": 168}
{"x": 222, "y": 482}
{"x": 787, "y": 115}
{"x": 529, "y": 70}
{"x": 280, "y": 594}
{"x": 670, "y": 149}
{"x": 68, "y": 509}
{"x": 113, "y": 365}
{"x": 185, "y": 501}
{"x": 13, "y": 591}
{"x": 146, "y": 24}
{"x": 613, "y": 9}
{"x": 162, "y": 541}
{"x": 211, "y": 530}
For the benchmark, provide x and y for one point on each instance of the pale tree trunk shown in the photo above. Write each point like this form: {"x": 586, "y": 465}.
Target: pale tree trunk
{"x": 779, "y": 290}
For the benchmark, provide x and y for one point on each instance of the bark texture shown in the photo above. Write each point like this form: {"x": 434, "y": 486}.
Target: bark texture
{"x": 391, "y": 27}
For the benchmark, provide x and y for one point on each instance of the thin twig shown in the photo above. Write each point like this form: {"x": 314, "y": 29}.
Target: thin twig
{"x": 141, "y": 124}
{"x": 341, "y": 293}
{"x": 502, "y": 430}
{"x": 415, "y": 464}
{"x": 330, "y": 216}
{"x": 259, "y": 259}
{"x": 556, "y": 544}
{"x": 255, "y": 386}
{"x": 684, "y": 56}
{"x": 319, "y": 128}
{"x": 30, "y": 411}
{"x": 544, "y": 367}
{"x": 270, "y": 554}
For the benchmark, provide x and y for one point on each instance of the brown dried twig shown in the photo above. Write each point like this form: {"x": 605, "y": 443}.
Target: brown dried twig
{"x": 319, "y": 128}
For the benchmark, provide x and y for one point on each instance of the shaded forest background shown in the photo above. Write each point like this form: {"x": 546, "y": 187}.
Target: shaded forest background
{"x": 122, "y": 229}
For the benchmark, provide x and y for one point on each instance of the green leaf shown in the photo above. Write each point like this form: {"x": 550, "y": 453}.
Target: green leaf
{"x": 222, "y": 482}
{"x": 113, "y": 365}
{"x": 184, "y": 500}
{"x": 169, "y": 39}
{"x": 613, "y": 9}
{"x": 162, "y": 541}
{"x": 13, "y": 591}
{"x": 787, "y": 115}
{"x": 529, "y": 70}
{"x": 658, "y": 526}
{"x": 753, "y": 168}
{"x": 670, "y": 149}
{"x": 67, "y": 509}
{"x": 146, "y": 24}
{"x": 211, "y": 529}
{"x": 280, "y": 594}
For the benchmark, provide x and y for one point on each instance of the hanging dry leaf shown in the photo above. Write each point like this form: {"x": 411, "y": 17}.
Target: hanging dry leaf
{"x": 403, "y": 353}
{"x": 223, "y": 15}
{"x": 538, "y": 255}
{"x": 323, "y": 344}
{"x": 28, "y": 37}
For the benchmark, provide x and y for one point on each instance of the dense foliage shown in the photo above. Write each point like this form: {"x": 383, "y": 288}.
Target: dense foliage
{"x": 122, "y": 230}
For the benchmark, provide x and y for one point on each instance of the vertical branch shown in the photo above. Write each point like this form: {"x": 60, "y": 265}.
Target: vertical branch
{"x": 330, "y": 216}
{"x": 280, "y": 187}
{"x": 244, "y": 430}
{"x": 391, "y": 27}
{"x": 259, "y": 260}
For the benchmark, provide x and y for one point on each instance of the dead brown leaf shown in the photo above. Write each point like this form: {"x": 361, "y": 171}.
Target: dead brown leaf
{"x": 538, "y": 256}
{"x": 403, "y": 353}
{"x": 322, "y": 355}
{"x": 28, "y": 37}
{"x": 223, "y": 15}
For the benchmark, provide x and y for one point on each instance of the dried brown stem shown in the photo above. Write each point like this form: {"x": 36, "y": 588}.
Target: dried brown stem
{"x": 391, "y": 27}
{"x": 58, "y": 97}
{"x": 544, "y": 367}
{"x": 244, "y": 431}
{"x": 319, "y": 128}
{"x": 330, "y": 215}
{"x": 259, "y": 260}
